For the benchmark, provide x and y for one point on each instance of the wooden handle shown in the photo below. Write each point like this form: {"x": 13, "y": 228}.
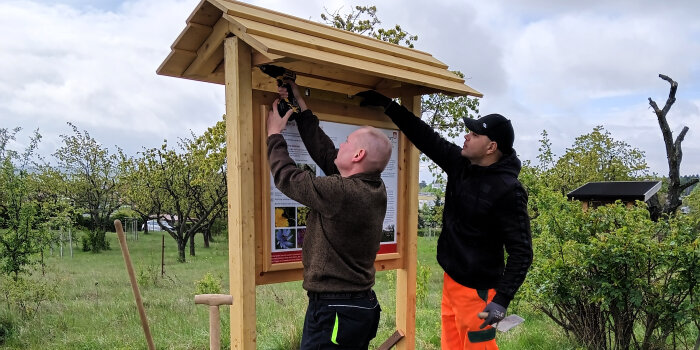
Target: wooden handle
{"x": 483, "y": 315}
{"x": 213, "y": 299}
{"x": 134, "y": 285}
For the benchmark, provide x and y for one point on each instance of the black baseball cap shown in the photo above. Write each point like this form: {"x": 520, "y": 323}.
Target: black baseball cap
{"x": 497, "y": 127}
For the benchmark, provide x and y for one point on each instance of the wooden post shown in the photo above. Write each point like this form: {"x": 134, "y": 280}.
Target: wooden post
{"x": 162, "y": 256}
{"x": 406, "y": 276}
{"x": 240, "y": 181}
{"x": 134, "y": 284}
{"x": 70, "y": 241}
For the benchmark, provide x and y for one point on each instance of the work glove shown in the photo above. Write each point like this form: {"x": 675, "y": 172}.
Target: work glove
{"x": 496, "y": 314}
{"x": 373, "y": 98}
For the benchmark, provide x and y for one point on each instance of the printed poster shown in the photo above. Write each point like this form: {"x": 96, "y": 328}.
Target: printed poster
{"x": 288, "y": 219}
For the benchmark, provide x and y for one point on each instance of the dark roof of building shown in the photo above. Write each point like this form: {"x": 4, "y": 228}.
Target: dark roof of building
{"x": 614, "y": 190}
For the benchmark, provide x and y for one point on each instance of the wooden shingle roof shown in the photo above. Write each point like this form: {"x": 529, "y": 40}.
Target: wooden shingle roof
{"x": 323, "y": 57}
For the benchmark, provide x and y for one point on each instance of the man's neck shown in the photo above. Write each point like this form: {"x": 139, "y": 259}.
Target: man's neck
{"x": 487, "y": 160}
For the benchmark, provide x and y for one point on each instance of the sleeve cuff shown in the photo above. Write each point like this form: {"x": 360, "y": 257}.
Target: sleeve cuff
{"x": 502, "y": 300}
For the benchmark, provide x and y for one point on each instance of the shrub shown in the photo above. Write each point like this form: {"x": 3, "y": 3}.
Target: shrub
{"x": 148, "y": 276}
{"x": 602, "y": 273}
{"x": 208, "y": 285}
{"x": 7, "y": 326}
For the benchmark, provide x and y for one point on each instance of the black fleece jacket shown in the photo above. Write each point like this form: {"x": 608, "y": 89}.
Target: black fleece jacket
{"x": 485, "y": 212}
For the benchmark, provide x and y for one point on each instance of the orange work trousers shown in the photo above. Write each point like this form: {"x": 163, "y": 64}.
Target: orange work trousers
{"x": 460, "y": 323}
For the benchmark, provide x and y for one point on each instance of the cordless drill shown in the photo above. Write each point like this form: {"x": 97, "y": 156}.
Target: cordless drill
{"x": 280, "y": 74}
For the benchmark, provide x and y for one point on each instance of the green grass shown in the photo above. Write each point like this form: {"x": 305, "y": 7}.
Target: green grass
{"x": 95, "y": 308}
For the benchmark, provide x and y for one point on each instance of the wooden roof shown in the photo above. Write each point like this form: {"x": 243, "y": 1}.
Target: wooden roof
{"x": 614, "y": 190}
{"x": 323, "y": 57}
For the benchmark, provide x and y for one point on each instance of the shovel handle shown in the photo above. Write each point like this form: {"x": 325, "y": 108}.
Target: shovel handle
{"x": 483, "y": 315}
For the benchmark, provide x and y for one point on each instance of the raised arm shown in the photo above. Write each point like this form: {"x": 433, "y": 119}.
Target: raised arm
{"x": 318, "y": 144}
{"x": 444, "y": 153}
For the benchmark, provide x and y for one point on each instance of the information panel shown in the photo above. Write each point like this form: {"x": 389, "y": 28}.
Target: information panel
{"x": 288, "y": 217}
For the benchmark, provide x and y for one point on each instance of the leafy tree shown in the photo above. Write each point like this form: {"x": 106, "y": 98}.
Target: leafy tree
{"x": 593, "y": 157}
{"x": 601, "y": 274}
{"x": 18, "y": 241}
{"x": 362, "y": 20}
{"x": 443, "y": 113}
{"x": 136, "y": 184}
{"x": 89, "y": 177}
{"x": 209, "y": 151}
{"x": 185, "y": 189}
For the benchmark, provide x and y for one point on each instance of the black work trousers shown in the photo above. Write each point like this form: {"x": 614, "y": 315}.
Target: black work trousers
{"x": 340, "y": 321}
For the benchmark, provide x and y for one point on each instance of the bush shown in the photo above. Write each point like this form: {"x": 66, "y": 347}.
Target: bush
{"x": 7, "y": 326}
{"x": 605, "y": 272}
{"x": 208, "y": 285}
{"x": 148, "y": 276}
{"x": 27, "y": 294}
{"x": 422, "y": 283}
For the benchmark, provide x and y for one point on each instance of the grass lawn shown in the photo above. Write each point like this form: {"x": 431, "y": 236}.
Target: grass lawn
{"x": 95, "y": 308}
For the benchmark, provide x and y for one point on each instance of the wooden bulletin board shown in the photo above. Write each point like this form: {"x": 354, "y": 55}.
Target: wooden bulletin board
{"x": 278, "y": 252}
{"x": 224, "y": 42}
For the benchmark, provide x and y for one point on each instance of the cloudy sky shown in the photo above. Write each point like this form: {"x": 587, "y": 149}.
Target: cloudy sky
{"x": 559, "y": 66}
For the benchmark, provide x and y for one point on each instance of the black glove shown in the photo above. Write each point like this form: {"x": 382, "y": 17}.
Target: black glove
{"x": 373, "y": 98}
{"x": 496, "y": 314}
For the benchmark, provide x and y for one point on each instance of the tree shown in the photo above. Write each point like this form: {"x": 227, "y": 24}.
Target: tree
{"x": 443, "y": 113}
{"x": 209, "y": 151}
{"x": 89, "y": 176}
{"x": 136, "y": 184}
{"x": 186, "y": 189}
{"x": 602, "y": 273}
{"x": 593, "y": 157}
{"x": 19, "y": 241}
{"x": 674, "y": 152}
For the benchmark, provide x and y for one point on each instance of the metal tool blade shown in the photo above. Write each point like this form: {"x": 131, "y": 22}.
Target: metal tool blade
{"x": 509, "y": 322}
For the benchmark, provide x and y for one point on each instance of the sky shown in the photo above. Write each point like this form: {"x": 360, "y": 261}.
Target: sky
{"x": 560, "y": 66}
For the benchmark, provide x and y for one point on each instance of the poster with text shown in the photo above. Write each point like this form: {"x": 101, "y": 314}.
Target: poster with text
{"x": 288, "y": 219}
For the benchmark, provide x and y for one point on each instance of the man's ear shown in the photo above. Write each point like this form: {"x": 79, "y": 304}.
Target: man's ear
{"x": 359, "y": 155}
{"x": 493, "y": 147}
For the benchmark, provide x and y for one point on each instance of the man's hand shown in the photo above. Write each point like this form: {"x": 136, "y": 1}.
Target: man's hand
{"x": 373, "y": 98}
{"x": 495, "y": 312}
{"x": 284, "y": 93}
{"x": 275, "y": 123}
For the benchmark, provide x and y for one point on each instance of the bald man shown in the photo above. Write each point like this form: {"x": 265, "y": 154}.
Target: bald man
{"x": 344, "y": 225}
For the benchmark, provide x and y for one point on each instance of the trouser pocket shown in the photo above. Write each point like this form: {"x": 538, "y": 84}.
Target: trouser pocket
{"x": 354, "y": 325}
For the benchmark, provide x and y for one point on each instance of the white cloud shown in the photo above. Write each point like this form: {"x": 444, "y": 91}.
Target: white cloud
{"x": 561, "y": 66}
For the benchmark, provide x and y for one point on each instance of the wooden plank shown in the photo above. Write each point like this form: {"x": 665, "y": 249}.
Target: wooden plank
{"x": 331, "y": 77}
{"x": 259, "y": 58}
{"x": 206, "y": 13}
{"x": 364, "y": 67}
{"x": 285, "y": 21}
{"x": 240, "y": 31}
{"x": 255, "y": 29}
{"x": 176, "y": 63}
{"x": 211, "y": 52}
{"x": 406, "y": 276}
{"x": 279, "y": 276}
{"x": 191, "y": 37}
{"x": 241, "y": 207}
{"x": 392, "y": 340}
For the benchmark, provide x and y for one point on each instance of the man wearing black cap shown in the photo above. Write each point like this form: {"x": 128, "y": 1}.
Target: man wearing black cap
{"x": 485, "y": 215}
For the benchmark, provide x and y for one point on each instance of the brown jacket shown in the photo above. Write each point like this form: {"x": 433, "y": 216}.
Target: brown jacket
{"x": 345, "y": 219}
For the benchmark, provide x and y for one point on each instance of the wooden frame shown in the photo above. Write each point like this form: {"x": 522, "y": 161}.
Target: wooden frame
{"x": 222, "y": 43}
{"x": 326, "y": 111}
